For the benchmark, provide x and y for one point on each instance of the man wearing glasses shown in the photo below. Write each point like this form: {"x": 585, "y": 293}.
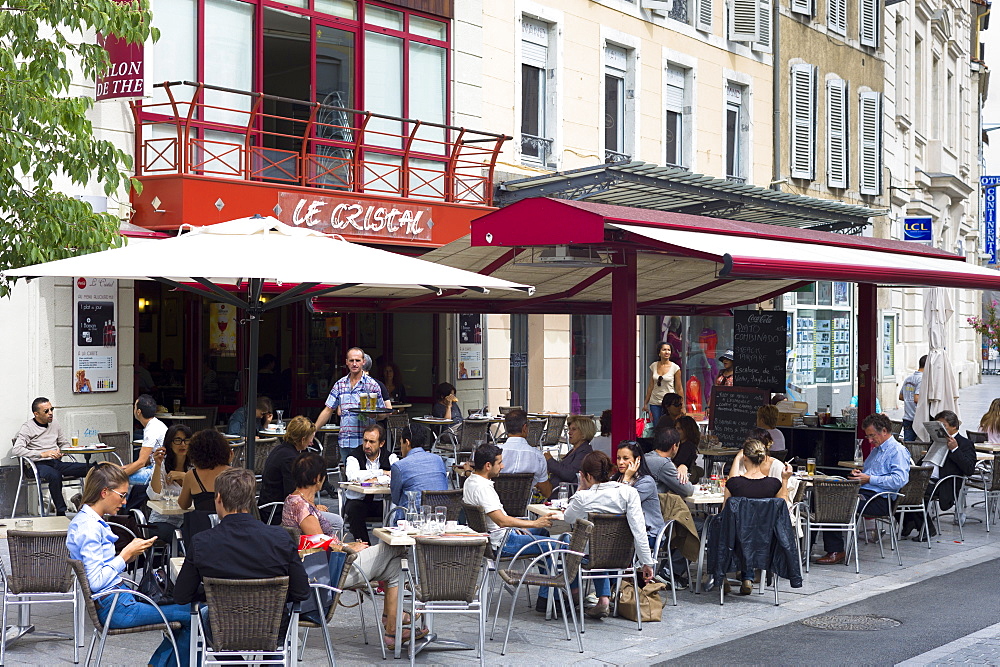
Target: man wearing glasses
{"x": 41, "y": 440}
{"x": 887, "y": 468}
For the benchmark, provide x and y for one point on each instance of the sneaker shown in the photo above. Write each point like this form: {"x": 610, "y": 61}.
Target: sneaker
{"x": 590, "y": 600}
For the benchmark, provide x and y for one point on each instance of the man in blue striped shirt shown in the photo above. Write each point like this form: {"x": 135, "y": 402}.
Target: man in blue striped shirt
{"x": 887, "y": 468}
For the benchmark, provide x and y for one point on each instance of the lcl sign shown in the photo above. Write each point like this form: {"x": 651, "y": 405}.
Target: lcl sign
{"x": 918, "y": 229}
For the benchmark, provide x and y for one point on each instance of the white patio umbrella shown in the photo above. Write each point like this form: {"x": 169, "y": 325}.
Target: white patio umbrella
{"x": 248, "y": 252}
{"x": 939, "y": 388}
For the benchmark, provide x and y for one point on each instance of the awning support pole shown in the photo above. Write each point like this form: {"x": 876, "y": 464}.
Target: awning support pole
{"x": 623, "y": 350}
{"x": 867, "y": 355}
{"x": 252, "y": 314}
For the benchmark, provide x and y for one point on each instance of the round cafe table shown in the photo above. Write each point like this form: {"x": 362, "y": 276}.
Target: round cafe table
{"x": 435, "y": 424}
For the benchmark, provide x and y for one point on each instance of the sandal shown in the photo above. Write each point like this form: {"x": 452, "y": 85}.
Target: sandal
{"x": 406, "y": 618}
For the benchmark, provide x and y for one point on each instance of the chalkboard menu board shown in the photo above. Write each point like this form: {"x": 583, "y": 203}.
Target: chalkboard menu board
{"x": 759, "y": 341}
{"x": 734, "y": 413}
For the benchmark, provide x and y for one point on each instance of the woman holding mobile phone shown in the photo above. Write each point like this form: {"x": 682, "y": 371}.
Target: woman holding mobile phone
{"x": 90, "y": 540}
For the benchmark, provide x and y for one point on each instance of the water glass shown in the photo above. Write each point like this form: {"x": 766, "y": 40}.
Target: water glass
{"x": 443, "y": 511}
{"x": 440, "y": 520}
{"x": 414, "y": 519}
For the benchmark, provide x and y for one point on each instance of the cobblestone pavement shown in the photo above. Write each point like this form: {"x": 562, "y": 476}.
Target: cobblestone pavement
{"x": 696, "y": 623}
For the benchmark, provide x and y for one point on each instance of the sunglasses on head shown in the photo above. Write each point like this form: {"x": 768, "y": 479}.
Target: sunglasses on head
{"x": 659, "y": 381}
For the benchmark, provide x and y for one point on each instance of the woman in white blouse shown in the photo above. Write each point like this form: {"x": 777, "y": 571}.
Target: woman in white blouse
{"x": 599, "y": 494}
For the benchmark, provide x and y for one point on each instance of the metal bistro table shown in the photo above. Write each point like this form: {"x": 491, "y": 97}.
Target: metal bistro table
{"x": 40, "y": 524}
{"x": 373, "y": 490}
{"x": 90, "y": 450}
{"x": 712, "y": 503}
{"x": 398, "y": 538}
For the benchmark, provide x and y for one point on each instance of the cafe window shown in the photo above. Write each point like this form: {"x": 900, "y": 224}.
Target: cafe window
{"x": 346, "y": 53}
{"x": 590, "y": 383}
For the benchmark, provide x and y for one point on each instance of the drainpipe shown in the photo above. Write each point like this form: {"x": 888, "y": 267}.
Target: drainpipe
{"x": 776, "y": 69}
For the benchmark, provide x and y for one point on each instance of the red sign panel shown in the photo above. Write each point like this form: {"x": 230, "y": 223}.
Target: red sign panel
{"x": 362, "y": 218}
{"x": 124, "y": 76}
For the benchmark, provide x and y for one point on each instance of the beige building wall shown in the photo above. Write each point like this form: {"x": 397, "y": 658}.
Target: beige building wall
{"x": 487, "y": 93}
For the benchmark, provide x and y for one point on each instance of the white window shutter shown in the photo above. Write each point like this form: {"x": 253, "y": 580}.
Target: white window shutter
{"x": 764, "y": 43}
{"x": 836, "y": 133}
{"x": 837, "y": 20}
{"x": 803, "y": 122}
{"x": 703, "y": 19}
{"x": 870, "y": 126}
{"x": 868, "y": 13}
{"x": 744, "y": 20}
{"x": 802, "y": 7}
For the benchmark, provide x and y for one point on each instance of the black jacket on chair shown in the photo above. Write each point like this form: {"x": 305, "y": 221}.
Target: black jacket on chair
{"x": 754, "y": 534}
{"x": 962, "y": 462}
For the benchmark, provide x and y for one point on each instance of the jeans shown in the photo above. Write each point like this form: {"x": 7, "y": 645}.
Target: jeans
{"x": 130, "y": 613}
{"x": 53, "y": 471}
{"x": 655, "y": 412}
{"x": 141, "y": 476}
{"x": 909, "y": 435}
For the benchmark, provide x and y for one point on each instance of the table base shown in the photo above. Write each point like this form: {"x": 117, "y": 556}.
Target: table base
{"x": 14, "y": 632}
{"x": 432, "y": 643}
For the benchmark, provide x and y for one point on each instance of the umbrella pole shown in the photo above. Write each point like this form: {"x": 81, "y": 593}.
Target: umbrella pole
{"x": 254, "y": 311}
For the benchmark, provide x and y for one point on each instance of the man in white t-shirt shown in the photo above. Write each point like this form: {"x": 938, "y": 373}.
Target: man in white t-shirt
{"x": 909, "y": 394}
{"x": 153, "y": 431}
{"x": 487, "y": 463}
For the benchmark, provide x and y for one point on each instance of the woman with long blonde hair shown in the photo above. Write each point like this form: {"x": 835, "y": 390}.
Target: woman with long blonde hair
{"x": 990, "y": 423}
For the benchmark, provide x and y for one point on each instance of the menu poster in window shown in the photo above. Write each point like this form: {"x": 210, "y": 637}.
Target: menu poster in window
{"x": 470, "y": 346}
{"x": 759, "y": 338}
{"x": 95, "y": 335}
{"x": 222, "y": 330}
{"x": 733, "y": 413}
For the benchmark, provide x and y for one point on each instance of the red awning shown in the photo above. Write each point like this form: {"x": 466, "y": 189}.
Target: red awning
{"x": 685, "y": 264}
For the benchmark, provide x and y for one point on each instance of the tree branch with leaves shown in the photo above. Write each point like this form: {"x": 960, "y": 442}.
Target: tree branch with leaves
{"x": 46, "y": 135}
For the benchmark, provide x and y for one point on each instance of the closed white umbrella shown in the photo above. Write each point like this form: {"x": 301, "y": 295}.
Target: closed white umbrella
{"x": 939, "y": 388}
{"x": 248, "y": 252}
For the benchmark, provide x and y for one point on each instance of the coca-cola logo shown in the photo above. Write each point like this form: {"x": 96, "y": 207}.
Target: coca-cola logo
{"x": 81, "y": 283}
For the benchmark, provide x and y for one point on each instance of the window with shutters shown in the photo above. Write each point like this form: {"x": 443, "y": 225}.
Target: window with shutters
{"x": 703, "y": 18}
{"x": 537, "y": 93}
{"x": 737, "y": 132}
{"x": 619, "y": 82}
{"x": 803, "y": 121}
{"x": 763, "y": 42}
{"x": 837, "y": 16}
{"x": 836, "y": 133}
{"x": 744, "y": 20}
{"x": 677, "y": 112}
{"x": 869, "y": 24}
{"x": 803, "y": 7}
{"x": 870, "y": 131}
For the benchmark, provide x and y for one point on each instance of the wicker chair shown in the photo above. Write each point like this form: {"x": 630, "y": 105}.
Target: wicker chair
{"x": 911, "y": 498}
{"x": 245, "y": 620}
{"x": 888, "y": 519}
{"x": 916, "y": 448}
{"x": 976, "y": 437}
{"x": 447, "y": 582}
{"x": 122, "y": 443}
{"x": 211, "y": 413}
{"x": 554, "y": 425}
{"x": 452, "y": 499}
{"x": 262, "y": 449}
{"x": 101, "y": 630}
{"x": 661, "y": 552}
{"x": 504, "y": 409}
{"x": 536, "y": 431}
{"x": 307, "y": 625}
{"x": 40, "y": 575}
{"x": 835, "y": 507}
{"x": 957, "y": 483}
{"x": 563, "y": 561}
{"x": 473, "y": 434}
{"x": 988, "y": 481}
{"x": 514, "y": 490}
{"x": 611, "y": 555}
{"x": 394, "y": 425}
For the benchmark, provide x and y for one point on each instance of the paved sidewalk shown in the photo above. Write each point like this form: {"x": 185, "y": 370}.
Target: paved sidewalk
{"x": 696, "y": 623}
{"x": 978, "y": 648}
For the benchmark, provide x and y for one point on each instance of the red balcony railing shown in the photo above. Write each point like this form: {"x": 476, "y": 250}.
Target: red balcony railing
{"x": 239, "y": 135}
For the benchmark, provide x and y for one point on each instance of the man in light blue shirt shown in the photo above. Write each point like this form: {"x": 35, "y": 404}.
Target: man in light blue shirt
{"x": 887, "y": 468}
{"x": 418, "y": 470}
